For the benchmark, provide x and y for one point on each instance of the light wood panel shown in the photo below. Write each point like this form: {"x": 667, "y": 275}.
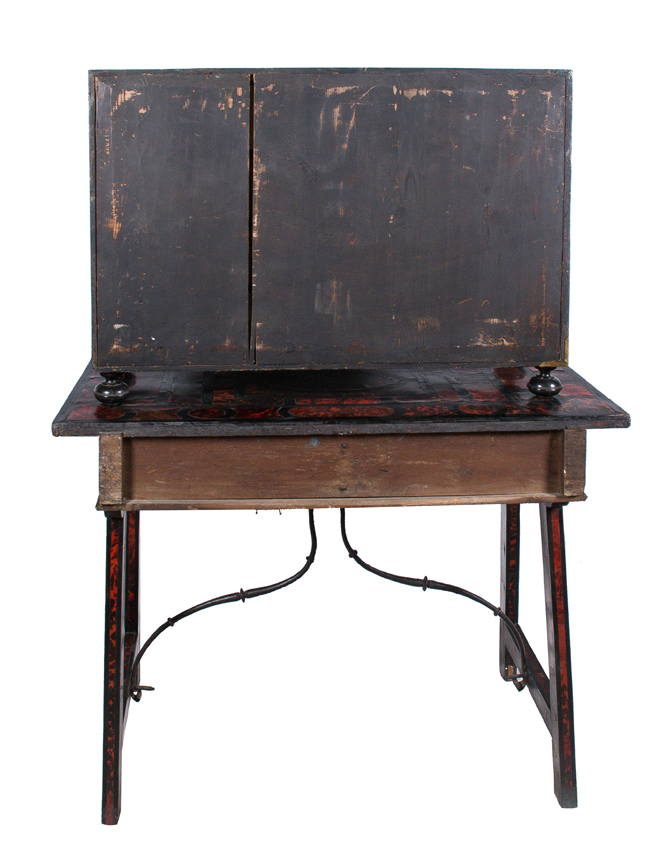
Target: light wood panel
{"x": 384, "y": 469}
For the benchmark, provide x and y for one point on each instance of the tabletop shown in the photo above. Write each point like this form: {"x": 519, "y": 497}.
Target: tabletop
{"x": 386, "y": 399}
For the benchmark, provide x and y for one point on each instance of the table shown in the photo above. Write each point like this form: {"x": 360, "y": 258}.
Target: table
{"x": 355, "y": 437}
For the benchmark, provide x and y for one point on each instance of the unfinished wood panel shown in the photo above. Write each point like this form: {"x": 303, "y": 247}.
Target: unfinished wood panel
{"x": 110, "y": 469}
{"x": 170, "y": 171}
{"x": 408, "y": 467}
{"x": 302, "y": 504}
{"x": 575, "y": 462}
{"x": 410, "y": 216}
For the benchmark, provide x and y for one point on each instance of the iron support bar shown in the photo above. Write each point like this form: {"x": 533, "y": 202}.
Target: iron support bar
{"x": 425, "y": 583}
{"x": 239, "y": 596}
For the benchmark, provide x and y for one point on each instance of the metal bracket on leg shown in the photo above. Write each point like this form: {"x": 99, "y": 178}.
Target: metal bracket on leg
{"x": 508, "y": 601}
{"x": 135, "y": 689}
{"x": 518, "y": 663}
{"x": 122, "y": 658}
{"x": 518, "y": 676}
{"x": 551, "y": 693}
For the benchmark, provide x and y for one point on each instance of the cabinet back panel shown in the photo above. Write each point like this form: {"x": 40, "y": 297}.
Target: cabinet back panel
{"x": 171, "y": 243}
{"x": 409, "y": 217}
{"x": 309, "y": 218}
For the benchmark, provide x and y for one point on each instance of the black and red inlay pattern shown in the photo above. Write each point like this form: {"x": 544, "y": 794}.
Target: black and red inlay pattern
{"x": 389, "y": 394}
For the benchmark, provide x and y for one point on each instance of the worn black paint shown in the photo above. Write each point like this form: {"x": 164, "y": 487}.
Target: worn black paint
{"x": 352, "y": 217}
{"x": 170, "y": 175}
{"x": 409, "y": 217}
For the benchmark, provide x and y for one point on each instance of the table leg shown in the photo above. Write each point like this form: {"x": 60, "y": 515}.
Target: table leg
{"x": 560, "y": 671}
{"x": 121, "y": 641}
{"x": 132, "y": 593}
{"x": 510, "y": 577}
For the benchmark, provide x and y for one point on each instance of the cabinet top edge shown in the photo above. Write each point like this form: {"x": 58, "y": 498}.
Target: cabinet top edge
{"x": 395, "y": 70}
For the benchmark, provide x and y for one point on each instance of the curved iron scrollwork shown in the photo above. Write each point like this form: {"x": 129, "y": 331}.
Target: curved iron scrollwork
{"x": 136, "y": 688}
{"x": 520, "y": 678}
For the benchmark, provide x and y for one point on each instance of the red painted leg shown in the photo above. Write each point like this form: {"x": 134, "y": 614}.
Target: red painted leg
{"x": 114, "y": 668}
{"x": 132, "y": 597}
{"x": 560, "y": 671}
{"x": 510, "y": 572}
{"x": 132, "y": 571}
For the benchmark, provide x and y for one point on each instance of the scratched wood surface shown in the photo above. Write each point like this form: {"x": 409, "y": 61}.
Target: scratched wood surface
{"x": 298, "y": 218}
{"x": 410, "y": 217}
{"x": 393, "y": 399}
{"x": 170, "y": 171}
{"x": 423, "y": 468}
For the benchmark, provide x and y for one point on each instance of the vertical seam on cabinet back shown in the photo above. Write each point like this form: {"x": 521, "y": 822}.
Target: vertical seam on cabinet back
{"x": 251, "y": 340}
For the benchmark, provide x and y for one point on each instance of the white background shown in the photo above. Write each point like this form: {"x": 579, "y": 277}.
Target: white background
{"x": 344, "y": 711}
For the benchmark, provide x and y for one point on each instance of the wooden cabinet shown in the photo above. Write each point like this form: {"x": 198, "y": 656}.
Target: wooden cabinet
{"x": 306, "y": 218}
{"x": 386, "y": 253}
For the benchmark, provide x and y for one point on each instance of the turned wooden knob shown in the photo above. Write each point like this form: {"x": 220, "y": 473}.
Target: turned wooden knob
{"x": 544, "y": 384}
{"x": 113, "y": 390}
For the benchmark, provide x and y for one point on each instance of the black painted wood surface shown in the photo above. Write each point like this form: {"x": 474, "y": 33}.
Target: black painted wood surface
{"x": 509, "y": 582}
{"x": 410, "y": 217}
{"x": 551, "y": 693}
{"x": 121, "y": 647}
{"x": 170, "y": 205}
{"x": 349, "y": 401}
{"x": 559, "y": 656}
{"x": 302, "y": 218}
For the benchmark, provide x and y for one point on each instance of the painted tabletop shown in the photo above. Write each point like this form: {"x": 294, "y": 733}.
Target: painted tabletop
{"x": 347, "y": 401}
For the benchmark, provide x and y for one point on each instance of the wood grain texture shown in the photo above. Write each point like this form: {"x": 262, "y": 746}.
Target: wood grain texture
{"x": 381, "y": 467}
{"x": 575, "y": 462}
{"x": 336, "y": 502}
{"x": 398, "y": 216}
{"x": 170, "y": 168}
{"x": 110, "y": 469}
{"x": 406, "y": 217}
